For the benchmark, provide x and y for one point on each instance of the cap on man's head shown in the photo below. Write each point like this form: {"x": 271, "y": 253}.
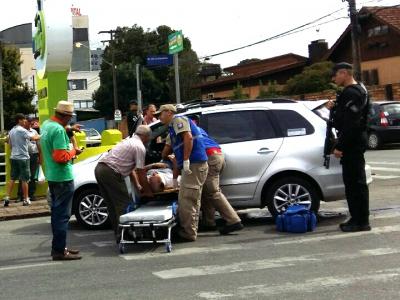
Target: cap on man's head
{"x": 65, "y": 108}
{"x": 340, "y": 66}
{"x": 166, "y": 107}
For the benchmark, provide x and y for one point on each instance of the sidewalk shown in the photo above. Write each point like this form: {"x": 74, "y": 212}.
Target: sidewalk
{"x": 38, "y": 208}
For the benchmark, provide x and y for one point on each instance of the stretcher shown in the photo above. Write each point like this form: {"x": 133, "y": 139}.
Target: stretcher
{"x": 150, "y": 223}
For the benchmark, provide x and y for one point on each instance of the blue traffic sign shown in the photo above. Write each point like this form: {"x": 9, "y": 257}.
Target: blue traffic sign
{"x": 160, "y": 60}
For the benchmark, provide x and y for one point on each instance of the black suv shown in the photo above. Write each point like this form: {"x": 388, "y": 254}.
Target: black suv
{"x": 383, "y": 123}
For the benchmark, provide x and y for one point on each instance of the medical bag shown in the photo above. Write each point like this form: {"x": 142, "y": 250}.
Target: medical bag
{"x": 296, "y": 219}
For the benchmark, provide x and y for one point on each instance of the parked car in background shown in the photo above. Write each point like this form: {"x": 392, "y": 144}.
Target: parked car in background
{"x": 93, "y": 137}
{"x": 273, "y": 150}
{"x": 383, "y": 124}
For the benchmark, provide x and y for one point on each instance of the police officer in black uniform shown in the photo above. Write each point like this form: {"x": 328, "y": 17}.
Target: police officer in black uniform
{"x": 350, "y": 120}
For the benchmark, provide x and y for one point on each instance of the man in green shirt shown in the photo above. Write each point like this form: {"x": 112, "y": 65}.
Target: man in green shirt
{"x": 58, "y": 157}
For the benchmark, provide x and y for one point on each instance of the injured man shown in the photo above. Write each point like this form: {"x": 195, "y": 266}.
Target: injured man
{"x": 161, "y": 177}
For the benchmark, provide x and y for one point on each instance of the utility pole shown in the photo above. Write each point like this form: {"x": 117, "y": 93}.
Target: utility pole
{"x": 355, "y": 39}
{"x": 1, "y": 91}
{"x": 114, "y": 74}
{"x": 138, "y": 89}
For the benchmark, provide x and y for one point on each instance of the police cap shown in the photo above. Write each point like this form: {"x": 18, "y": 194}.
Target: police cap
{"x": 340, "y": 66}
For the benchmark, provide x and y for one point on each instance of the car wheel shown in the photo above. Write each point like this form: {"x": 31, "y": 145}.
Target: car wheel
{"x": 373, "y": 141}
{"x": 91, "y": 210}
{"x": 289, "y": 191}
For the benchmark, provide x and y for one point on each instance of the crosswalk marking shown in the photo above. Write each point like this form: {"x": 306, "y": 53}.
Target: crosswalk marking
{"x": 385, "y": 176}
{"x": 396, "y": 170}
{"x": 310, "y": 285}
{"x": 269, "y": 263}
{"x": 184, "y": 251}
{"x": 375, "y": 230}
{"x": 387, "y": 163}
{"x": 384, "y": 170}
{"x": 270, "y": 240}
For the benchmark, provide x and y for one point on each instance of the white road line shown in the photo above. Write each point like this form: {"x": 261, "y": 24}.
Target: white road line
{"x": 396, "y": 170}
{"x": 375, "y": 230}
{"x": 385, "y": 176}
{"x": 383, "y": 163}
{"x": 92, "y": 234}
{"x": 16, "y": 267}
{"x": 183, "y": 251}
{"x": 310, "y": 285}
{"x": 102, "y": 244}
{"x": 270, "y": 240}
{"x": 269, "y": 263}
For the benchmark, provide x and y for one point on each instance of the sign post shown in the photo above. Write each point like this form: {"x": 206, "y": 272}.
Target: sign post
{"x": 175, "y": 45}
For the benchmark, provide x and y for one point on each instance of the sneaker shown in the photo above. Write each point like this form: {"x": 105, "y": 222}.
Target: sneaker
{"x": 231, "y": 228}
{"x": 6, "y": 202}
{"x": 26, "y": 202}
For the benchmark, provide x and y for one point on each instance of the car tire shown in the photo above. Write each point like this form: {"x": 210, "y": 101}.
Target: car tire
{"x": 374, "y": 141}
{"x": 303, "y": 192}
{"x": 91, "y": 210}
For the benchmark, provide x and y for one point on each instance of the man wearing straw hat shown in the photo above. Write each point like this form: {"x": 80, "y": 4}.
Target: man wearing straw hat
{"x": 58, "y": 157}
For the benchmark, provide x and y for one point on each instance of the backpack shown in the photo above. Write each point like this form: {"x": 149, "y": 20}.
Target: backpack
{"x": 296, "y": 219}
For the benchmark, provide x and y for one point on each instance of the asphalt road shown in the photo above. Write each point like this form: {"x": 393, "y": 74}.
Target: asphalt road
{"x": 257, "y": 263}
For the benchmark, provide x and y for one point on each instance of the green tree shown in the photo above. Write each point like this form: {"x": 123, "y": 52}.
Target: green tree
{"x": 315, "y": 78}
{"x": 17, "y": 97}
{"x": 270, "y": 92}
{"x": 131, "y": 46}
{"x": 238, "y": 92}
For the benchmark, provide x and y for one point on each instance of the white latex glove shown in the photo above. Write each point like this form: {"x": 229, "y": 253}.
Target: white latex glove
{"x": 175, "y": 183}
{"x": 186, "y": 167}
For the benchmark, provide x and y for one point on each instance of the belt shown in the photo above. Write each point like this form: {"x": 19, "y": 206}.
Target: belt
{"x": 214, "y": 150}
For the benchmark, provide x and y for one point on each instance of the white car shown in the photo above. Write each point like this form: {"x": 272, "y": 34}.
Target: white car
{"x": 273, "y": 150}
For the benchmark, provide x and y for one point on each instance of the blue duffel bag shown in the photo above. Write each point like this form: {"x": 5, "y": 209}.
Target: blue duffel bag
{"x": 296, "y": 219}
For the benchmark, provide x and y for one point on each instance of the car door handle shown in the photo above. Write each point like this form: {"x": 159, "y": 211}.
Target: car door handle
{"x": 264, "y": 151}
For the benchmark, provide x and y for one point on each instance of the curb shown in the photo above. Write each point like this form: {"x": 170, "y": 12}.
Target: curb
{"x": 25, "y": 216}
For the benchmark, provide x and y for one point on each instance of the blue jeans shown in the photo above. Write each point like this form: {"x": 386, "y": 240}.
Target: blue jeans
{"x": 61, "y": 194}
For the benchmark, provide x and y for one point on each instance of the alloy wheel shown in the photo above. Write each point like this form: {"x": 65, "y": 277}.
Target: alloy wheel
{"x": 291, "y": 194}
{"x": 93, "y": 210}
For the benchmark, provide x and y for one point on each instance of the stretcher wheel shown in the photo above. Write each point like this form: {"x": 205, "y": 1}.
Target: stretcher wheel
{"x": 168, "y": 247}
{"x": 121, "y": 248}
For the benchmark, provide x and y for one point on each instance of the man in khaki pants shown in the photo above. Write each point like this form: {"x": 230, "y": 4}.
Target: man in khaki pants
{"x": 186, "y": 142}
{"x": 213, "y": 198}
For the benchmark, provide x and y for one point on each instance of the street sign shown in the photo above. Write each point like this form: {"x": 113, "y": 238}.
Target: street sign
{"x": 175, "y": 42}
{"x": 159, "y": 60}
{"x": 117, "y": 115}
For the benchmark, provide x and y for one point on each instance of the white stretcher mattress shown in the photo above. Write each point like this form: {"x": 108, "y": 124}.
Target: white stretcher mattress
{"x": 148, "y": 213}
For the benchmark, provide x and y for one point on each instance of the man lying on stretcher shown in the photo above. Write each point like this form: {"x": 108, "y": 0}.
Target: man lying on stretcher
{"x": 161, "y": 176}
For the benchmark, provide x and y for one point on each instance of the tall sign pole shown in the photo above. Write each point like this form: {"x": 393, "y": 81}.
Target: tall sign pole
{"x": 177, "y": 85}
{"x": 175, "y": 45}
{"x": 355, "y": 39}
{"x": 1, "y": 92}
{"x": 53, "y": 53}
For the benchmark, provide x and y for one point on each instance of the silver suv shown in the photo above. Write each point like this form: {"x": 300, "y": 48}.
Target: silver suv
{"x": 273, "y": 150}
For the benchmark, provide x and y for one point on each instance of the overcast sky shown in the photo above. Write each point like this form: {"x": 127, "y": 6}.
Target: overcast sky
{"x": 212, "y": 25}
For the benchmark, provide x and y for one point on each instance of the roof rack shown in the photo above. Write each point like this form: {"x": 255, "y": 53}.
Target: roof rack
{"x": 210, "y": 103}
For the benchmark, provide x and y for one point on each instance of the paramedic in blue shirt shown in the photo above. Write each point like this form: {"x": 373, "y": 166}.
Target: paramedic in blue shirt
{"x": 185, "y": 141}
{"x": 212, "y": 197}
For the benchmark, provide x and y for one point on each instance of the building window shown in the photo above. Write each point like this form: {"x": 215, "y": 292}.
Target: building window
{"x": 378, "y": 30}
{"x": 83, "y": 104}
{"x": 77, "y": 84}
{"x": 371, "y": 77}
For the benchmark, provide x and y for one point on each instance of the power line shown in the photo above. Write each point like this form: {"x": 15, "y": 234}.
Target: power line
{"x": 275, "y": 36}
{"x": 292, "y": 31}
